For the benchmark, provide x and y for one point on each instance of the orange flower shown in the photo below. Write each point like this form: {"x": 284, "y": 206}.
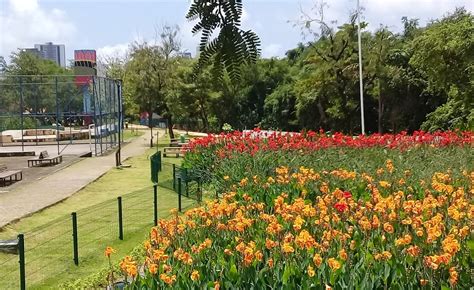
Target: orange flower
{"x": 217, "y": 285}
{"x": 423, "y": 282}
{"x": 195, "y": 275}
{"x": 334, "y": 264}
{"x": 311, "y": 272}
{"x": 270, "y": 244}
{"x": 153, "y": 268}
{"x": 453, "y": 276}
{"x": 388, "y": 228}
{"x": 450, "y": 245}
{"x": 270, "y": 263}
{"x": 413, "y": 251}
{"x": 109, "y": 251}
{"x": 343, "y": 254}
{"x": 258, "y": 256}
{"x": 228, "y": 252}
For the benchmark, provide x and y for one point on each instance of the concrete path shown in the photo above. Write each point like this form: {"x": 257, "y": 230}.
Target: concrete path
{"x": 34, "y": 196}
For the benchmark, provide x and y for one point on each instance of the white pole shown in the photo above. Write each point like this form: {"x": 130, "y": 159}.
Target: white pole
{"x": 361, "y": 81}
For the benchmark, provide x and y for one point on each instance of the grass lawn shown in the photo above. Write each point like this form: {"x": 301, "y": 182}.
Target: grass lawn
{"x": 129, "y": 134}
{"x": 48, "y": 241}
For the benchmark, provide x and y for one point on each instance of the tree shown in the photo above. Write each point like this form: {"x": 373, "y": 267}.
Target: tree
{"x": 381, "y": 71}
{"x": 445, "y": 54}
{"x": 233, "y": 46}
{"x": 149, "y": 75}
{"x": 194, "y": 94}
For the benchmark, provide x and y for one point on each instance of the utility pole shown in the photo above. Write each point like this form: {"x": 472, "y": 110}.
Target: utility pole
{"x": 361, "y": 81}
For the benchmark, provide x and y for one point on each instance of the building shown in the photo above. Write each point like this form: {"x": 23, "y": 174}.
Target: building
{"x": 3, "y": 64}
{"x": 85, "y": 68}
{"x": 54, "y": 52}
{"x": 185, "y": 55}
{"x": 33, "y": 51}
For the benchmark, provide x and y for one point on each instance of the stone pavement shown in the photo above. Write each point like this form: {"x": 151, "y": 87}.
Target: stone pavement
{"x": 24, "y": 200}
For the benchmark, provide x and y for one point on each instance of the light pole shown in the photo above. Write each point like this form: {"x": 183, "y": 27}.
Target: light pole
{"x": 361, "y": 81}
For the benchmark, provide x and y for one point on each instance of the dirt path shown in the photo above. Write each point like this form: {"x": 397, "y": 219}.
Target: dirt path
{"x": 37, "y": 195}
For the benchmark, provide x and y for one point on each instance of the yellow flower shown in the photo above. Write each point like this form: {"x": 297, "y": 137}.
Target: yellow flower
{"x": 334, "y": 264}
{"x": 384, "y": 184}
{"x": 226, "y": 177}
{"x": 287, "y": 248}
{"x": 311, "y": 272}
{"x": 195, "y": 275}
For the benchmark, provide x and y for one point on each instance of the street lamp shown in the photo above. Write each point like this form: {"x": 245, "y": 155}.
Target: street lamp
{"x": 361, "y": 81}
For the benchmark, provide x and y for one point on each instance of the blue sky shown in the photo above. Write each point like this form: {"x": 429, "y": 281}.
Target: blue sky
{"x": 110, "y": 25}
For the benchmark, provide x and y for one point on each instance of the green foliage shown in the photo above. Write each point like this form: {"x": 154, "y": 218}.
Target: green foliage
{"x": 233, "y": 46}
{"x": 445, "y": 54}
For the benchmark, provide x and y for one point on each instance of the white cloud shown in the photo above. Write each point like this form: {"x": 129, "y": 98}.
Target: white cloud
{"x": 24, "y": 23}
{"x": 113, "y": 51}
{"x": 272, "y": 50}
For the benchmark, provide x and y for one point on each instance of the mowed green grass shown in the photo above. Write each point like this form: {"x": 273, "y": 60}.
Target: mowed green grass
{"x": 129, "y": 134}
{"x": 48, "y": 234}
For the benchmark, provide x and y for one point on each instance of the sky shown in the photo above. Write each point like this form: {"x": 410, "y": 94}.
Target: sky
{"x": 109, "y": 26}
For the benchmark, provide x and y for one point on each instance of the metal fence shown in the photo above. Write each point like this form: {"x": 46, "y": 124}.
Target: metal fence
{"x": 69, "y": 246}
{"x": 61, "y": 111}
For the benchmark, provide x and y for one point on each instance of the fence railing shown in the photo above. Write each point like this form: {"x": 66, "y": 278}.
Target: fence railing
{"x": 70, "y": 246}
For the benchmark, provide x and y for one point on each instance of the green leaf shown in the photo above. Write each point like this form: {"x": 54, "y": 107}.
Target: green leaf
{"x": 286, "y": 274}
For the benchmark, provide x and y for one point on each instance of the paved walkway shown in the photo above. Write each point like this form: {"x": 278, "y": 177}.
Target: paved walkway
{"x": 35, "y": 196}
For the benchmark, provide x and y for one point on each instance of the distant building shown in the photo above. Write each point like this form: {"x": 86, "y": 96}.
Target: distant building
{"x": 33, "y": 51}
{"x": 185, "y": 55}
{"x": 3, "y": 64}
{"x": 54, "y": 52}
{"x": 85, "y": 68}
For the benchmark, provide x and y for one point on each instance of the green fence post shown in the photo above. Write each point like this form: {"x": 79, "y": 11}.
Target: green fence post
{"x": 120, "y": 220}
{"x": 74, "y": 239}
{"x": 21, "y": 252}
{"x": 179, "y": 194}
{"x": 155, "y": 204}
{"x": 174, "y": 177}
{"x": 159, "y": 159}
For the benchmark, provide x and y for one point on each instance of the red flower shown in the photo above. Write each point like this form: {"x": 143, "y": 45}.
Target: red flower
{"x": 347, "y": 194}
{"x": 341, "y": 206}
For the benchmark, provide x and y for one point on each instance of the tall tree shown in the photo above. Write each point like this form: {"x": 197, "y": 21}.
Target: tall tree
{"x": 445, "y": 54}
{"x": 149, "y": 74}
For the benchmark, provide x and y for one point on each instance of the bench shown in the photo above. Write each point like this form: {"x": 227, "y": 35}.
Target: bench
{"x": 177, "y": 151}
{"x": 45, "y": 158}
{"x": 9, "y": 175}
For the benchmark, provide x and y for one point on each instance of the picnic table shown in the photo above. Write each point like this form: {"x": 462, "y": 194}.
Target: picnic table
{"x": 176, "y": 151}
{"x": 44, "y": 158}
{"x": 9, "y": 175}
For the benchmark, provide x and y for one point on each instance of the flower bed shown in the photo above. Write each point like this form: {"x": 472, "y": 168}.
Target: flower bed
{"x": 319, "y": 229}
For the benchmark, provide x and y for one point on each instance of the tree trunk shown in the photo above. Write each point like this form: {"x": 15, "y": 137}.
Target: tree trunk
{"x": 170, "y": 126}
{"x": 322, "y": 114}
{"x": 150, "y": 125}
{"x": 380, "y": 111}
